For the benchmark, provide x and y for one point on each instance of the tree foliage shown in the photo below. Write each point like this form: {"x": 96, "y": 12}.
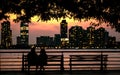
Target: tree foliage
{"x": 107, "y": 11}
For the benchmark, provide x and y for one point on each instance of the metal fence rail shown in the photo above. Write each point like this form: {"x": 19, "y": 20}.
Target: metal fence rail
{"x": 11, "y": 60}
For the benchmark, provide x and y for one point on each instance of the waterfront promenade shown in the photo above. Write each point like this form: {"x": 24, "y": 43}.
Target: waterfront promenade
{"x": 11, "y": 62}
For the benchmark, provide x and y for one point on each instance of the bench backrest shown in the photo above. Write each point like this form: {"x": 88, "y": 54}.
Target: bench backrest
{"x": 53, "y": 60}
{"x": 88, "y": 57}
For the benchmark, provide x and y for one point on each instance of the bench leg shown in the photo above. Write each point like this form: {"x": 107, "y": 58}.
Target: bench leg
{"x": 36, "y": 68}
{"x": 28, "y": 68}
{"x": 42, "y": 68}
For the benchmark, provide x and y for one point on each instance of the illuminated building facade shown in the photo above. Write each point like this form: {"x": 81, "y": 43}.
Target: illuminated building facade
{"x": 76, "y": 36}
{"x": 6, "y": 34}
{"x": 44, "y": 41}
{"x": 24, "y": 33}
{"x": 91, "y": 36}
{"x": 101, "y": 38}
{"x": 64, "y": 33}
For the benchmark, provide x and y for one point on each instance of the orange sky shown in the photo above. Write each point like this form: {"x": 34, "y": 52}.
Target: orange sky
{"x": 49, "y": 28}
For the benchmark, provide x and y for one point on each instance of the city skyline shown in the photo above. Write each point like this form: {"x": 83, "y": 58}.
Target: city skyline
{"x": 51, "y": 28}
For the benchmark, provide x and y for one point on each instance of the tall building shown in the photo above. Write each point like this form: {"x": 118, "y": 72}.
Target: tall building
{"x": 76, "y": 36}
{"x": 57, "y": 40}
{"x": 44, "y": 41}
{"x": 24, "y": 33}
{"x": 91, "y": 36}
{"x": 64, "y": 29}
{"x": 64, "y": 33}
{"x": 101, "y": 38}
{"x": 6, "y": 34}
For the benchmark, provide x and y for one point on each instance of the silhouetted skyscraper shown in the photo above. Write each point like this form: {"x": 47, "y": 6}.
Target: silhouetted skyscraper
{"x": 64, "y": 33}
{"x": 63, "y": 29}
{"x": 6, "y": 34}
{"x": 101, "y": 38}
{"x": 76, "y": 36}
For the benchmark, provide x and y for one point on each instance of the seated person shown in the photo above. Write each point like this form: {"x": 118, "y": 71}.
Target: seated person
{"x": 42, "y": 59}
{"x": 32, "y": 58}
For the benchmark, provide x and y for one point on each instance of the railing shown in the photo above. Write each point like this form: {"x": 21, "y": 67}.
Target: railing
{"x": 11, "y": 60}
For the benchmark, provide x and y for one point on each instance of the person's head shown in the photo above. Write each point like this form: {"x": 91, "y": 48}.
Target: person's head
{"x": 33, "y": 49}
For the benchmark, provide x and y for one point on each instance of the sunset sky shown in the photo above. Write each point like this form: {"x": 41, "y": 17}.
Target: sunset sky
{"x": 50, "y": 28}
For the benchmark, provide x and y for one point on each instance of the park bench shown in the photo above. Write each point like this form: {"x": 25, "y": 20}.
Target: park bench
{"x": 88, "y": 60}
{"x": 55, "y": 61}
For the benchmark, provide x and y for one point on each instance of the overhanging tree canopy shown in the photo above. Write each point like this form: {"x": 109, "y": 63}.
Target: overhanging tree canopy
{"x": 107, "y": 11}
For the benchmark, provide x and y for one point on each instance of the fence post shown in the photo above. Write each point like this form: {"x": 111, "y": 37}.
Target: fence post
{"x": 62, "y": 63}
{"x": 101, "y": 67}
{"x": 70, "y": 63}
{"x": 23, "y": 62}
{"x": 105, "y": 62}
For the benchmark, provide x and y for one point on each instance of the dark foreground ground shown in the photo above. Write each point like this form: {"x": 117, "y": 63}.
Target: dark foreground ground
{"x": 59, "y": 73}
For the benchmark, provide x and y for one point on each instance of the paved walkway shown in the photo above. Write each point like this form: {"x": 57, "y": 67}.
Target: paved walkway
{"x": 64, "y": 73}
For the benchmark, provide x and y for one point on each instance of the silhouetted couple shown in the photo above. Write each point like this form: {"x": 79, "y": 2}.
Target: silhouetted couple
{"x": 37, "y": 60}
